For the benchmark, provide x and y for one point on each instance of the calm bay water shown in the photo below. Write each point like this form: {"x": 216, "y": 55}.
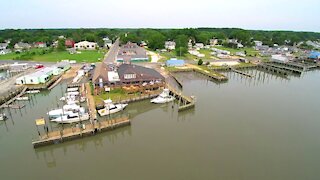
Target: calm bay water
{"x": 265, "y": 127}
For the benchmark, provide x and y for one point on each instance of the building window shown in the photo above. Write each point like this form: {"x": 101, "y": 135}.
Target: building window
{"x": 129, "y": 76}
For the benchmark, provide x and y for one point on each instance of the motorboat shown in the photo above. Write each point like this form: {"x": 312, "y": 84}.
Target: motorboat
{"x": 72, "y": 89}
{"x": 164, "y": 97}
{"x": 65, "y": 109}
{"x": 71, "y": 118}
{"x": 3, "y": 117}
{"x": 60, "y": 112}
{"x": 24, "y": 98}
{"x": 110, "y": 108}
{"x": 33, "y": 91}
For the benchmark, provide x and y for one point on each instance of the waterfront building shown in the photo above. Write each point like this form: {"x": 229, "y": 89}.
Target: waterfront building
{"x": 39, "y": 77}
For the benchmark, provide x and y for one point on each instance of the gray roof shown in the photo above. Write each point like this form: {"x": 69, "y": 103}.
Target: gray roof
{"x": 132, "y": 50}
{"x": 142, "y": 73}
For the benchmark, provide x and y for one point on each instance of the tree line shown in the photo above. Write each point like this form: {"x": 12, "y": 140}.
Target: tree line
{"x": 155, "y": 38}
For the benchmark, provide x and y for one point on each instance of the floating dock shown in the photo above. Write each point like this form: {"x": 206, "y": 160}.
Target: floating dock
{"x": 240, "y": 72}
{"x": 72, "y": 133}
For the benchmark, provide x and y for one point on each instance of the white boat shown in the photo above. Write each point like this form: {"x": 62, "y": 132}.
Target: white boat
{"x": 24, "y": 98}
{"x": 33, "y": 92}
{"x": 73, "y": 118}
{"x": 3, "y": 117}
{"x": 72, "y": 89}
{"x": 60, "y": 112}
{"x": 74, "y": 93}
{"x": 110, "y": 108}
{"x": 164, "y": 97}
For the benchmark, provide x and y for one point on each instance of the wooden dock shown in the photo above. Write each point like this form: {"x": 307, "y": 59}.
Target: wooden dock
{"x": 272, "y": 69}
{"x": 72, "y": 133}
{"x": 240, "y": 72}
{"x": 55, "y": 83}
{"x": 210, "y": 74}
{"x": 7, "y": 104}
{"x": 176, "y": 79}
{"x": 285, "y": 68}
{"x": 185, "y": 102}
{"x": 90, "y": 102}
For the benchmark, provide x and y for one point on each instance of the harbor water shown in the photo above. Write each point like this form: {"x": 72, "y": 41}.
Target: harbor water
{"x": 265, "y": 127}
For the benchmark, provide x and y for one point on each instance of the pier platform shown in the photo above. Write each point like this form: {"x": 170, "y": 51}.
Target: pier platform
{"x": 72, "y": 133}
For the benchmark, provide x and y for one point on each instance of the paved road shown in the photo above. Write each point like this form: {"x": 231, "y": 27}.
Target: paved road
{"x": 112, "y": 53}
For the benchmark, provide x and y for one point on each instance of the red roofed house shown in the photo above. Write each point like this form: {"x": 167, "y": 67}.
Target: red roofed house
{"x": 69, "y": 43}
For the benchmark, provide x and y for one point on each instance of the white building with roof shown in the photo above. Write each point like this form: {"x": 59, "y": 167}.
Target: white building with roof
{"x": 39, "y": 77}
{"x": 86, "y": 45}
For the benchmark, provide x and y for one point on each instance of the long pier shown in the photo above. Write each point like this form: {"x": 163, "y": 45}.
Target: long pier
{"x": 177, "y": 80}
{"x": 285, "y": 68}
{"x": 72, "y": 133}
{"x": 210, "y": 74}
{"x": 273, "y": 70}
{"x": 185, "y": 102}
{"x": 240, "y": 72}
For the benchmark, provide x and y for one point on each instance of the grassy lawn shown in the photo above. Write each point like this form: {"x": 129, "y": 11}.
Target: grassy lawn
{"x": 206, "y": 52}
{"x": 250, "y": 51}
{"x": 114, "y": 95}
{"x": 54, "y": 56}
{"x": 172, "y": 54}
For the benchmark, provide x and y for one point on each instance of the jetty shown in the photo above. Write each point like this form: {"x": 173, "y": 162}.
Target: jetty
{"x": 176, "y": 79}
{"x": 73, "y": 133}
{"x": 185, "y": 102}
{"x": 272, "y": 69}
{"x": 240, "y": 72}
{"x": 209, "y": 74}
{"x": 55, "y": 83}
{"x": 7, "y": 104}
{"x": 284, "y": 67}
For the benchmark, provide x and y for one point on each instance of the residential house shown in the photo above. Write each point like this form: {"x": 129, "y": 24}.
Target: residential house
{"x": 213, "y": 42}
{"x": 21, "y": 46}
{"x": 40, "y": 45}
{"x": 86, "y": 45}
{"x": 5, "y": 51}
{"x": 69, "y": 43}
{"x": 199, "y": 46}
{"x": 170, "y": 45}
{"x": 257, "y": 43}
{"x": 131, "y": 52}
{"x": 107, "y": 42}
{"x": 3, "y": 46}
{"x": 190, "y": 44}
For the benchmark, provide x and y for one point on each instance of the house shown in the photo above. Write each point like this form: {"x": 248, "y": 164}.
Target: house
{"x": 3, "y": 46}
{"x": 39, "y": 77}
{"x": 124, "y": 74}
{"x": 170, "y": 45}
{"x": 107, "y": 42}
{"x": 21, "y": 46}
{"x": 175, "y": 63}
{"x": 315, "y": 55}
{"x": 190, "y": 44}
{"x": 40, "y": 45}
{"x": 213, "y": 42}
{"x": 86, "y": 45}
{"x": 199, "y": 46}
{"x": 279, "y": 58}
{"x": 131, "y": 52}
{"x": 69, "y": 43}
{"x": 5, "y": 51}
{"x": 257, "y": 43}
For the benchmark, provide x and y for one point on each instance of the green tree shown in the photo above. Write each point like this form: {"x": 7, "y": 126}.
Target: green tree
{"x": 200, "y": 62}
{"x": 156, "y": 41}
{"x": 61, "y": 45}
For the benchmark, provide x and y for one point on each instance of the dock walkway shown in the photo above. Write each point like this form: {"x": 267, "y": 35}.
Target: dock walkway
{"x": 73, "y": 133}
{"x": 185, "y": 102}
{"x": 90, "y": 102}
{"x": 7, "y": 104}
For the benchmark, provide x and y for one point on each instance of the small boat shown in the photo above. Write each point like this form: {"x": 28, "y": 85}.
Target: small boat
{"x": 72, "y": 118}
{"x": 72, "y": 89}
{"x": 110, "y": 108}
{"x": 24, "y": 98}
{"x": 3, "y": 117}
{"x": 33, "y": 92}
{"x": 164, "y": 97}
{"x": 60, "y": 112}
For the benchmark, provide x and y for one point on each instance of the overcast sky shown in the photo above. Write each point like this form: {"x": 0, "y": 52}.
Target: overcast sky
{"x": 295, "y": 15}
